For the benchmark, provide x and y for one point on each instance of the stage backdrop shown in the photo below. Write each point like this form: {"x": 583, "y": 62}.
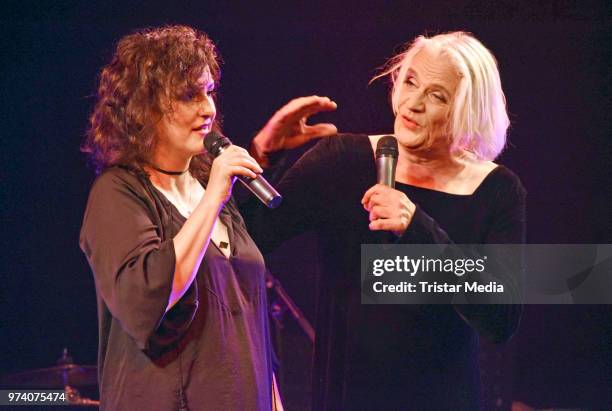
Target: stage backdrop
{"x": 554, "y": 59}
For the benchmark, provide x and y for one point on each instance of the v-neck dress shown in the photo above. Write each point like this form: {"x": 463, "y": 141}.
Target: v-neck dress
{"x": 210, "y": 351}
{"x": 389, "y": 357}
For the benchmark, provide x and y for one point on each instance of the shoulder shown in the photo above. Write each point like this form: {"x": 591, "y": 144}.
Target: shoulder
{"x": 491, "y": 177}
{"x": 119, "y": 195}
{"x": 504, "y": 186}
{"x": 118, "y": 180}
{"x": 504, "y": 177}
{"x": 117, "y": 176}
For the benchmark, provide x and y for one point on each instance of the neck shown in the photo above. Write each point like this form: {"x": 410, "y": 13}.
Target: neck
{"x": 169, "y": 173}
{"x": 170, "y": 161}
{"x": 423, "y": 166}
{"x": 173, "y": 182}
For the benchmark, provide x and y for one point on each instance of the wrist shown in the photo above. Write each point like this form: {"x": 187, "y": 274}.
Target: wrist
{"x": 259, "y": 153}
{"x": 410, "y": 210}
{"x": 212, "y": 200}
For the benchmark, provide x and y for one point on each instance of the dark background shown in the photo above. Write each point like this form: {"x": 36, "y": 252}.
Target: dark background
{"x": 554, "y": 60}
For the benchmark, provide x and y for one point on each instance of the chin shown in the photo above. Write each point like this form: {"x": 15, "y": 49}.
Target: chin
{"x": 409, "y": 139}
{"x": 197, "y": 147}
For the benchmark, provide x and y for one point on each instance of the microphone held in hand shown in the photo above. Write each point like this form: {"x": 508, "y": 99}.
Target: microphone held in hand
{"x": 386, "y": 160}
{"x": 215, "y": 143}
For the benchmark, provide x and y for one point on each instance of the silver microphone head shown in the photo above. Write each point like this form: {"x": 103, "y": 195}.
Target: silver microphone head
{"x": 386, "y": 160}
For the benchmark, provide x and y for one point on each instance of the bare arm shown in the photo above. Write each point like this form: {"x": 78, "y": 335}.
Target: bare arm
{"x": 192, "y": 240}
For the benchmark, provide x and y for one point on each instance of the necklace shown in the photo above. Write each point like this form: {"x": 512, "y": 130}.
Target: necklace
{"x": 191, "y": 207}
{"x": 169, "y": 173}
{"x": 186, "y": 209}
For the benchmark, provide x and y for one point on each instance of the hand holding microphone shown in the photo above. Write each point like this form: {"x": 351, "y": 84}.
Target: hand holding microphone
{"x": 390, "y": 209}
{"x": 241, "y": 165}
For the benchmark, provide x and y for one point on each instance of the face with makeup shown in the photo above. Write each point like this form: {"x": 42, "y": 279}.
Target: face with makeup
{"x": 425, "y": 101}
{"x": 182, "y": 129}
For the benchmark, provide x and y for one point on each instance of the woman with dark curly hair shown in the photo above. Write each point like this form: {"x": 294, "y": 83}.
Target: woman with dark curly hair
{"x": 180, "y": 284}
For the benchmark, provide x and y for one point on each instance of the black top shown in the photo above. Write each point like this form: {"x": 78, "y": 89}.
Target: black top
{"x": 390, "y": 356}
{"x": 211, "y": 351}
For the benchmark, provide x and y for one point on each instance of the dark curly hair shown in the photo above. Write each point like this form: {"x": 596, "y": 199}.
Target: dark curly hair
{"x": 149, "y": 68}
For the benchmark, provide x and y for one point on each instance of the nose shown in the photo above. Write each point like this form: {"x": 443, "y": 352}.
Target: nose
{"x": 206, "y": 108}
{"x": 415, "y": 102}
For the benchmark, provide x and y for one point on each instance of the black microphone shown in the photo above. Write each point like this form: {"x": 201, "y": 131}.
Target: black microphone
{"x": 215, "y": 143}
{"x": 386, "y": 160}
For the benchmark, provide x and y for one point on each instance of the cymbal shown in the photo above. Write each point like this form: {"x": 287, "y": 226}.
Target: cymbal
{"x": 54, "y": 377}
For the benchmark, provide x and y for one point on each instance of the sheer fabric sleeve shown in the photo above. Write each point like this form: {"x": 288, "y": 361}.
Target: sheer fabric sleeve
{"x": 133, "y": 267}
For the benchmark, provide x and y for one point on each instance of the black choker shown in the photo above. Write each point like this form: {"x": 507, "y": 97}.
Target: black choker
{"x": 170, "y": 173}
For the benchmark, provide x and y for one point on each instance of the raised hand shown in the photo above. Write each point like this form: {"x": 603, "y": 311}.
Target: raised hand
{"x": 288, "y": 129}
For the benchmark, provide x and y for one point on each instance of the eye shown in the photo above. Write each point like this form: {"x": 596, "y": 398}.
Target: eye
{"x": 437, "y": 96}
{"x": 191, "y": 95}
{"x": 410, "y": 82}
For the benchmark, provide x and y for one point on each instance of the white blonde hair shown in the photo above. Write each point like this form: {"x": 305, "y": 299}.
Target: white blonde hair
{"x": 478, "y": 121}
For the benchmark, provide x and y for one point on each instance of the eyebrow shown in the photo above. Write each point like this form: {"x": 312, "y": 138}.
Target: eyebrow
{"x": 413, "y": 73}
{"x": 209, "y": 84}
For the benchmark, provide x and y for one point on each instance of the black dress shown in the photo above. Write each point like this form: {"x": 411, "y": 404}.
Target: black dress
{"x": 211, "y": 351}
{"x": 389, "y": 357}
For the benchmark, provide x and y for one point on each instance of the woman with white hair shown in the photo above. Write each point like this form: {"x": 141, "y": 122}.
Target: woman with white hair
{"x": 450, "y": 123}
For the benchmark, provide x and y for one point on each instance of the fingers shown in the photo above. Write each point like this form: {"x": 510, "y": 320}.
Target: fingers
{"x": 287, "y": 128}
{"x": 310, "y": 133}
{"x": 389, "y": 209}
{"x": 237, "y": 161}
{"x": 233, "y": 162}
{"x": 232, "y": 149}
{"x": 235, "y": 153}
{"x": 380, "y": 212}
{"x": 309, "y": 105}
{"x": 321, "y": 130}
{"x": 242, "y": 171}
{"x": 375, "y": 198}
{"x": 237, "y": 165}
{"x": 302, "y": 107}
{"x": 386, "y": 225}
{"x": 376, "y": 190}
{"x": 396, "y": 225}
